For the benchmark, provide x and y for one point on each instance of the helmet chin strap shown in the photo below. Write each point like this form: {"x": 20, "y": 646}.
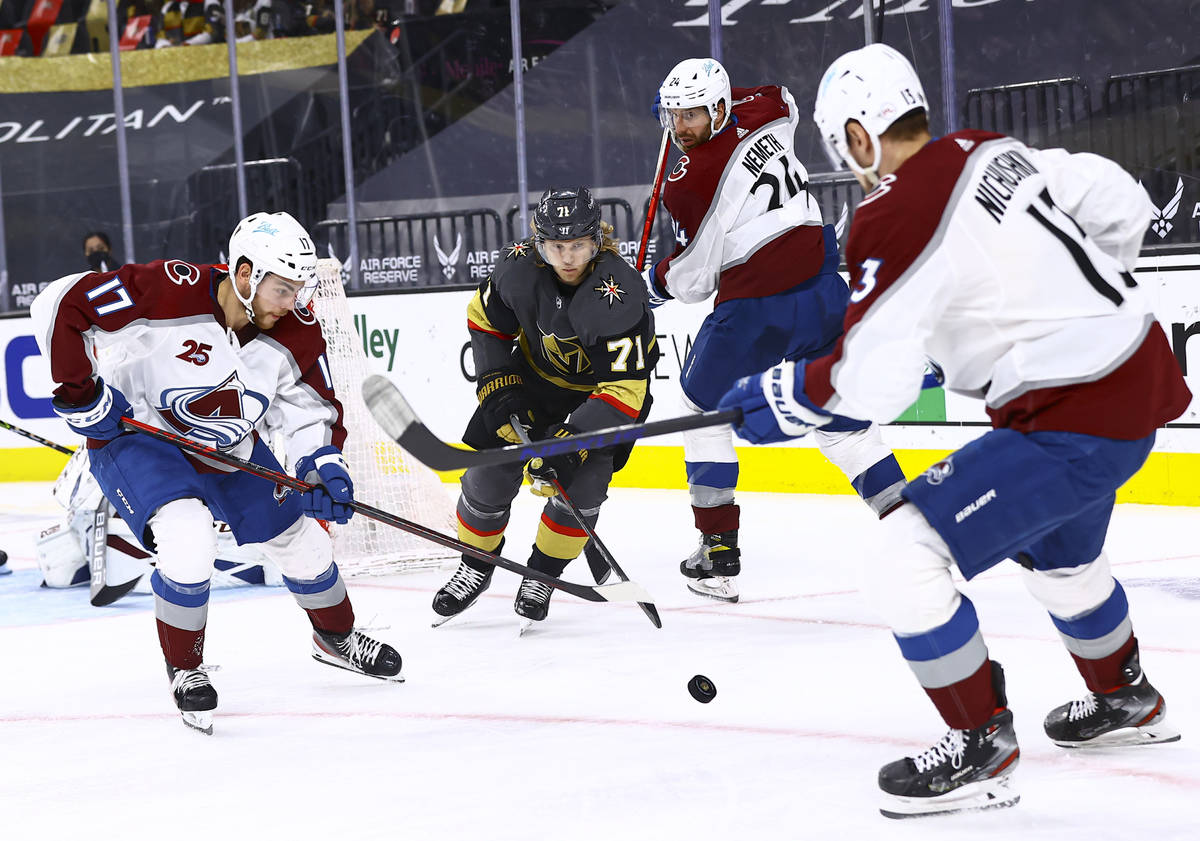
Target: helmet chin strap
{"x": 870, "y": 173}
{"x": 246, "y": 303}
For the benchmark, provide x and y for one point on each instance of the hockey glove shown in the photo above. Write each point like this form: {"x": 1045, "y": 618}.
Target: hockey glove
{"x": 656, "y": 106}
{"x": 561, "y": 467}
{"x": 332, "y": 490}
{"x": 100, "y": 418}
{"x": 656, "y": 296}
{"x": 501, "y": 393}
{"x": 774, "y": 406}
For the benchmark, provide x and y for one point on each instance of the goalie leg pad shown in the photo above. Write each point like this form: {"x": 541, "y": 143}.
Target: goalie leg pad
{"x": 60, "y": 557}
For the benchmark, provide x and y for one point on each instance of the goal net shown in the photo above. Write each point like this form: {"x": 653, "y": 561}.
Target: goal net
{"x": 384, "y": 475}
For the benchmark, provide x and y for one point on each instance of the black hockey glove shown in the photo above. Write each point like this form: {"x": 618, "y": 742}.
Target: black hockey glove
{"x": 501, "y": 393}
{"x": 561, "y": 467}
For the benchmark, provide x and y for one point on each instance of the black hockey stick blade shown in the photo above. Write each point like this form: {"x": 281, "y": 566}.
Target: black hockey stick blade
{"x": 596, "y": 563}
{"x": 624, "y": 591}
{"x": 109, "y": 593}
{"x": 396, "y": 416}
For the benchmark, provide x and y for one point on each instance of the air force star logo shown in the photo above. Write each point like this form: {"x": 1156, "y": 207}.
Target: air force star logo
{"x": 610, "y": 290}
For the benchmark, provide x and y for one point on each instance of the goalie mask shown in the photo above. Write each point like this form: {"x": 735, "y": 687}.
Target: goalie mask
{"x": 694, "y": 83}
{"x": 274, "y": 243}
{"x": 566, "y": 215}
{"x": 874, "y": 86}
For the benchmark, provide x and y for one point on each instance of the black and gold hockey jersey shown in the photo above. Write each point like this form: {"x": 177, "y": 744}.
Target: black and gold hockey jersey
{"x": 595, "y": 339}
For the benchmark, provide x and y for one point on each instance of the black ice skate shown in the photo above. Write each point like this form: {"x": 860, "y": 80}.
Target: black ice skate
{"x": 194, "y": 696}
{"x": 1134, "y": 714}
{"x": 711, "y": 568}
{"x": 967, "y": 770}
{"x": 532, "y": 603}
{"x": 357, "y": 652}
{"x": 460, "y": 592}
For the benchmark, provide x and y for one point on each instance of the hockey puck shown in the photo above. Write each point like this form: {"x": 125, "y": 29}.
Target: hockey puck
{"x": 702, "y": 689}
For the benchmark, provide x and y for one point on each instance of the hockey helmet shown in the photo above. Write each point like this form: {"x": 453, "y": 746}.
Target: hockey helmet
{"x": 566, "y": 214}
{"x": 875, "y": 86}
{"x": 274, "y": 243}
{"x": 695, "y": 83}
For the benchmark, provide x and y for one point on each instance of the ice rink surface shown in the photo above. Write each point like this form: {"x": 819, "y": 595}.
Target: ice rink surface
{"x": 583, "y": 728}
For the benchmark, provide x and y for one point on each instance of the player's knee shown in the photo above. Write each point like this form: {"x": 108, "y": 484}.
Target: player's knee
{"x": 302, "y": 551}
{"x": 906, "y": 576}
{"x": 185, "y": 541}
{"x": 1072, "y": 591}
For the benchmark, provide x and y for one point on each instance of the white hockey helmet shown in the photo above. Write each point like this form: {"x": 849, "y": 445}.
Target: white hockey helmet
{"x": 695, "y": 83}
{"x": 278, "y": 244}
{"x": 874, "y": 85}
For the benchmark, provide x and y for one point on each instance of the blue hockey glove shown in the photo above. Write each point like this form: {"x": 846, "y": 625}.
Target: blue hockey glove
{"x": 100, "y": 418}
{"x": 333, "y": 491}
{"x": 656, "y": 106}
{"x": 655, "y": 295}
{"x": 774, "y": 407}
{"x": 561, "y": 467}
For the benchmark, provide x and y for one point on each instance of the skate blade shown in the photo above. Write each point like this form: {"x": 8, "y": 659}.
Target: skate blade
{"x": 1149, "y": 734}
{"x": 524, "y": 626}
{"x": 442, "y": 620}
{"x": 322, "y": 657}
{"x": 717, "y": 587}
{"x": 995, "y": 793}
{"x": 201, "y": 720}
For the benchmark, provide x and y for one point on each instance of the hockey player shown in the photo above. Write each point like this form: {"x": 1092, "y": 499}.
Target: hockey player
{"x": 209, "y": 353}
{"x": 747, "y": 229}
{"x": 563, "y": 339}
{"x": 1009, "y": 268}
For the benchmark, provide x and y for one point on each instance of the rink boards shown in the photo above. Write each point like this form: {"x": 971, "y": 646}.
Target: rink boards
{"x": 420, "y": 341}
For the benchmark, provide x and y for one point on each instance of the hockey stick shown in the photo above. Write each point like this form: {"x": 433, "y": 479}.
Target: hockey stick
{"x": 32, "y": 437}
{"x": 647, "y": 608}
{"x": 663, "y": 150}
{"x": 625, "y": 591}
{"x": 398, "y": 420}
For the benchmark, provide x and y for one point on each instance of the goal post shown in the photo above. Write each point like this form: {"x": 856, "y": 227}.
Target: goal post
{"x": 383, "y": 474}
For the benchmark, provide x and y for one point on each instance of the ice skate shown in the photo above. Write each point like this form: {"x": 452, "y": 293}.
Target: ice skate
{"x": 968, "y": 770}
{"x": 1134, "y": 714}
{"x": 460, "y": 592}
{"x": 710, "y": 570}
{"x": 194, "y": 696}
{"x": 532, "y": 603}
{"x": 357, "y": 652}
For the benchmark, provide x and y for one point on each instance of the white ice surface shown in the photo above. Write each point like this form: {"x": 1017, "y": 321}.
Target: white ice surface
{"x": 582, "y": 729}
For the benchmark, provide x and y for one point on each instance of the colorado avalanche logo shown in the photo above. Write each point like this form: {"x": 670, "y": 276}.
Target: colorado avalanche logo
{"x": 219, "y": 415}
{"x": 940, "y": 472}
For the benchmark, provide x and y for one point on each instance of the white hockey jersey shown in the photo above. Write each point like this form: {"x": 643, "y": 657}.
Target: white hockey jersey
{"x": 157, "y": 333}
{"x": 745, "y": 223}
{"x": 1009, "y": 268}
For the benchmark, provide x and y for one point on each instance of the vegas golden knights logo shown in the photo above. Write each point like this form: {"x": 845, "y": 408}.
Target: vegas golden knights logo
{"x": 566, "y": 354}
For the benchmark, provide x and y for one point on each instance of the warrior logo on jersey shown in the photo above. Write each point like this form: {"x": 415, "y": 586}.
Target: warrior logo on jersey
{"x": 610, "y": 290}
{"x": 567, "y": 355}
{"x": 448, "y": 263}
{"x": 518, "y": 249}
{"x": 940, "y": 472}
{"x": 220, "y": 415}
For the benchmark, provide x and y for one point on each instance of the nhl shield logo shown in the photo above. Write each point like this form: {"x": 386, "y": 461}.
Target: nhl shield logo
{"x": 940, "y": 472}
